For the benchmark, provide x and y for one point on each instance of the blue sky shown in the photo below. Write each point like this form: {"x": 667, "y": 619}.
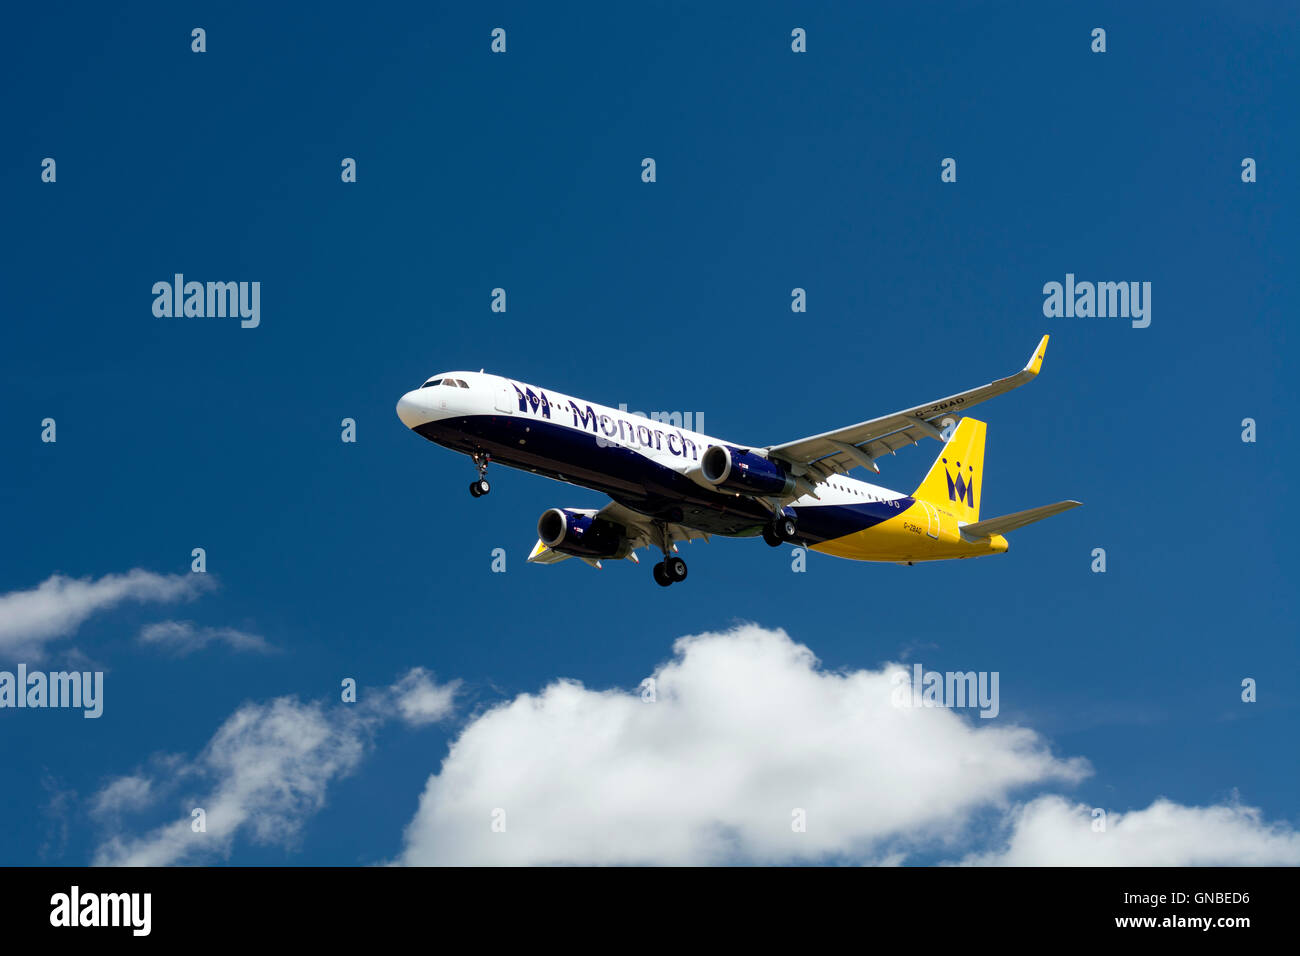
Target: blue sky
{"x": 522, "y": 171}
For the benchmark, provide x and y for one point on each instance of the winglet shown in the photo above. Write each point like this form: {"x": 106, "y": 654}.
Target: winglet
{"x": 1036, "y": 360}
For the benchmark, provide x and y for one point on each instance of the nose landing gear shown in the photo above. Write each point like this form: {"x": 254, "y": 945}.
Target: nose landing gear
{"x": 481, "y": 487}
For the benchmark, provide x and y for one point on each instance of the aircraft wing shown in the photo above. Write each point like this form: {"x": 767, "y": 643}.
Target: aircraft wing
{"x": 541, "y": 554}
{"x": 839, "y": 451}
{"x": 644, "y": 532}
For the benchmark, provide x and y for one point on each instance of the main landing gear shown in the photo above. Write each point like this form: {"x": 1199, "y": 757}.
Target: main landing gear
{"x": 780, "y": 529}
{"x": 481, "y": 487}
{"x": 670, "y": 570}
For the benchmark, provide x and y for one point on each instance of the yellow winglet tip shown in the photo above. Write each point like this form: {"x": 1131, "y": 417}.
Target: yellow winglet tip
{"x": 1036, "y": 360}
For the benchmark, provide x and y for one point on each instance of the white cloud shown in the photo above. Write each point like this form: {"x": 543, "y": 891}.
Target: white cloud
{"x": 270, "y": 765}
{"x": 123, "y": 794}
{"x": 59, "y": 605}
{"x": 747, "y": 728}
{"x": 182, "y": 637}
{"x": 421, "y": 700}
{"x": 1053, "y": 831}
{"x": 265, "y": 771}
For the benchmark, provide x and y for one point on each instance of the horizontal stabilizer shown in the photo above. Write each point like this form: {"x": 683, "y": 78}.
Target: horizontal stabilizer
{"x": 1005, "y": 523}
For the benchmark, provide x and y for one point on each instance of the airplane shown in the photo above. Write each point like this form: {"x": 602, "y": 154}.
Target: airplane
{"x": 669, "y": 484}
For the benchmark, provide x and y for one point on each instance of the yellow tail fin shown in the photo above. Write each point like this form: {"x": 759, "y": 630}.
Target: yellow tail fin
{"x": 956, "y": 479}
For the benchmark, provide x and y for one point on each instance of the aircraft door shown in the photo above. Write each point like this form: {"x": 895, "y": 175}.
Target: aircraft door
{"x": 931, "y": 519}
{"x": 506, "y": 398}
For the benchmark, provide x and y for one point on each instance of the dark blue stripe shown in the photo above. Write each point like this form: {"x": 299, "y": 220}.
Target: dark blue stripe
{"x": 635, "y": 481}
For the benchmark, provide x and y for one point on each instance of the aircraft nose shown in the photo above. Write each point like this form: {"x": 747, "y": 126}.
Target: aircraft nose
{"x": 411, "y": 411}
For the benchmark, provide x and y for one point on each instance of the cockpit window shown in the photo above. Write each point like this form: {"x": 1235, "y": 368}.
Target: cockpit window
{"x": 449, "y": 382}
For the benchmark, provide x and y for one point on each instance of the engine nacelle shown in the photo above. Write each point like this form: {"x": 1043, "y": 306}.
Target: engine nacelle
{"x": 732, "y": 469}
{"x": 582, "y": 535}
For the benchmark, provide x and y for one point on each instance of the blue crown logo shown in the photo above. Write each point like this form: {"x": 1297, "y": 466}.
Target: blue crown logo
{"x": 960, "y": 490}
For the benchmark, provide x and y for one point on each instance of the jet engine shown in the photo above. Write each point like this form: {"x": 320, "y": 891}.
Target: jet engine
{"x": 734, "y": 469}
{"x": 582, "y": 534}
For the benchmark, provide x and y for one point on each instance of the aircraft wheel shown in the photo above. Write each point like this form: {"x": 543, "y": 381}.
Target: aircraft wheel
{"x": 661, "y": 575}
{"x": 479, "y": 488}
{"x": 676, "y": 569}
{"x": 785, "y": 528}
{"x": 771, "y": 538}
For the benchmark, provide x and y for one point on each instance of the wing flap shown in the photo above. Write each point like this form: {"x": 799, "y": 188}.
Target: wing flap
{"x": 642, "y": 528}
